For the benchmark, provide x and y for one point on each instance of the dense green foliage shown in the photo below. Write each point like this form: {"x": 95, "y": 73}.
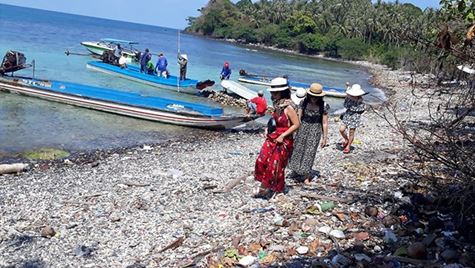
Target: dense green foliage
{"x": 351, "y": 29}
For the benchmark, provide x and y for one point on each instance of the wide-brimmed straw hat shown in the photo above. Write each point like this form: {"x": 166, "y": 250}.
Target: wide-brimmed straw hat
{"x": 278, "y": 84}
{"x": 316, "y": 90}
{"x": 298, "y": 96}
{"x": 355, "y": 91}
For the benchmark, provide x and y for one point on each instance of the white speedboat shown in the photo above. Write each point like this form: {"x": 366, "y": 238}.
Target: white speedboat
{"x": 97, "y": 48}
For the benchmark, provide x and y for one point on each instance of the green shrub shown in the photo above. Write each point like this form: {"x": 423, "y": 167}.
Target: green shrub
{"x": 310, "y": 43}
{"x": 352, "y": 49}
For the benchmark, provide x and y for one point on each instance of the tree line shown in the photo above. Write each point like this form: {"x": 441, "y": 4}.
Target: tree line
{"x": 350, "y": 29}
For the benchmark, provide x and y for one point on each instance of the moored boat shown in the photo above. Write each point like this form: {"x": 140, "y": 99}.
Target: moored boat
{"x": 123, "y": 103}
{"x": 97, "y": 48}
{"x": 265, "y": 81}
{"x": 238, "y": 89}
{"x": 189, "y": 86}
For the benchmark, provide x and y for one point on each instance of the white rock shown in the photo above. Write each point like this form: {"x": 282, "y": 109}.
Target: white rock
{"x": 302, "y": 250}
{"x": 278, "y": 220}
{"x": 337, "y": 234}
{"x": 247, "y": 261}
{"x": 325, "y": 229}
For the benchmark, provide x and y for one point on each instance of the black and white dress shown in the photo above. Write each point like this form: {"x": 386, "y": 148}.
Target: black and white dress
{"x": 354, "y": 109}
{"x": 307, "y": 140}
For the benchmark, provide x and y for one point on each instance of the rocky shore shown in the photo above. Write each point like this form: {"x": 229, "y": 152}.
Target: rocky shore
{"x": 189, "y": 204}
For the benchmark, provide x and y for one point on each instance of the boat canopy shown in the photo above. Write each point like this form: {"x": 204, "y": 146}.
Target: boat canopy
{"x": 112, "y": 40}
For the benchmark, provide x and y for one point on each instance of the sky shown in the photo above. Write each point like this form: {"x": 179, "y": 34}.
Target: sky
{"x": 166, "y": 13}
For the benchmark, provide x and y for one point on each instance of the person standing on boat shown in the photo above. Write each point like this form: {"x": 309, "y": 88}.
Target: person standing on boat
{"x": 352, "y": 117}
{"x": 146, "y": 56}
{"x": 149, "y": 68}
{"x": 161, "y": 66}
{"x": 278, "y": 146}
{"x": 257, "y": 105}
{"x": 118, "y": 51}
{"x": 226, "y": 71}
{"x": 313, "y": 115}
{"x": 183, "y": 62}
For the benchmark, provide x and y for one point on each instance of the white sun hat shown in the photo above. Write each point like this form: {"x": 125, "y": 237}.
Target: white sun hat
{"x": 298, "y": 95}
{"x": 355, "y": 91}
{"x": 184, "y": 56}
{"x": 278, "y": 84}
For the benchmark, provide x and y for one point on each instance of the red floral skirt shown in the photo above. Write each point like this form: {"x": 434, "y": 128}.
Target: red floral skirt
{"x": 272, "y": 160}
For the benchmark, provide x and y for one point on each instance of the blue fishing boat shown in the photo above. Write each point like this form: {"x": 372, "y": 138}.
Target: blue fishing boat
{"x": 113, "y": 100}
{"x": 123, "y": 103}
{"x": 265, "y": 81}
{"x": 189, "y": 86}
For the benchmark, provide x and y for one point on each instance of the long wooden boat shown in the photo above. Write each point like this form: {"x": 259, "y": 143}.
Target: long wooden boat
{"x": 124, "y": 103}
{"x": 189, "y": 86}
{"x": 265, "y": 81}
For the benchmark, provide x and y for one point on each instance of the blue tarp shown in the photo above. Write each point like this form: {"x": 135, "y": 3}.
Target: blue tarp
{"x": 116, "y": 41}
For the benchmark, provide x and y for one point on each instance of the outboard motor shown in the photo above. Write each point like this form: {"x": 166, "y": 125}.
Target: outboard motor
{"x": 12, "y": 62}
{"x": 138, "y": 56}
{"x": 109, "y": 57}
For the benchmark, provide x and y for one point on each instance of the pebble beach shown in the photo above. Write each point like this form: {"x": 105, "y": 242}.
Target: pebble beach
{"x": 188, "y": 203}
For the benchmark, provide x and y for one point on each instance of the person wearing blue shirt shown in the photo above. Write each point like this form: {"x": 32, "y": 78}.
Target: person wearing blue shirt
{"x": 226, "y": 71}
{"x": 146, "y": 56}
{"x": 161, "y": 66}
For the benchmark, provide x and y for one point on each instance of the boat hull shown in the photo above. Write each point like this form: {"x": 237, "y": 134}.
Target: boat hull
{"x": 329, "y": 91}
{"x": 171, "y": 83}
{"x": 238, "y": 89}
{"x": 23, "y": 87}
{"x": 98, "y": 49}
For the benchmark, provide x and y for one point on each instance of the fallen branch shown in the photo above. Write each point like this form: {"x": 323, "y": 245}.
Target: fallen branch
{"x": 231, "y": 184}
{"x": 173, "y": 245}
{"x": 133, "y": 184}
{"x": 12, "y": 168}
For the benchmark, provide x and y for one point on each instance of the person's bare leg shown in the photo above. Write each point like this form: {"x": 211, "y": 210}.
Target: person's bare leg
{"x": 351, "y": 138}
{"x": 343, "y": 134}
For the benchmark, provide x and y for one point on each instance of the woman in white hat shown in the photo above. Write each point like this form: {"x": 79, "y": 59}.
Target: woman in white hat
{"x": 299, "y": 95}
{"x": 352, "y": 117}
{"x": 278, "y": 146}
{"x": 313, "y": 114}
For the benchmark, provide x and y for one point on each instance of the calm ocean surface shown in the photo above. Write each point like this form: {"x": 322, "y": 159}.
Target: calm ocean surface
{"x": 28, "y": 123}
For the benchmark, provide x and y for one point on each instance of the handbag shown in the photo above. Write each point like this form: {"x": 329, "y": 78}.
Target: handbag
{"x": 271, "y": 125}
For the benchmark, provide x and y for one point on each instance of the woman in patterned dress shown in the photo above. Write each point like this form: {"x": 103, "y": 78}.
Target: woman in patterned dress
{"x": 313, "y": 114}
{"x": 352, "y": 117}
{"x": 278, "y": 146}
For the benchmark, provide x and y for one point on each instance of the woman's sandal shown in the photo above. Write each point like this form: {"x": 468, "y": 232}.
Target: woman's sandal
{"x": 346, "y": 150}
{"x": 264, "y": 194}
{"x": 344, "y": 144}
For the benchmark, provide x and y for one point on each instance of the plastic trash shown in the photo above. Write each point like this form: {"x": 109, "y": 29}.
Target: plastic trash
{"x": 261, "y": 210}
{"x": 325, "y": 206}
{"x": 389, "y": 236}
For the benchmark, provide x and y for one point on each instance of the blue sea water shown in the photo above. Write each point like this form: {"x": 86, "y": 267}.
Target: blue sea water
{"x": 27, "y": 123}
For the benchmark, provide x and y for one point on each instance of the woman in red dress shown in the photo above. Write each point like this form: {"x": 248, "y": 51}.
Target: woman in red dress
{"x": 278, "y": 146}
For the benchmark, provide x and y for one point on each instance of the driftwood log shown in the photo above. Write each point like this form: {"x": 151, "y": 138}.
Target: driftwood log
{"x": 12, "y": 168}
